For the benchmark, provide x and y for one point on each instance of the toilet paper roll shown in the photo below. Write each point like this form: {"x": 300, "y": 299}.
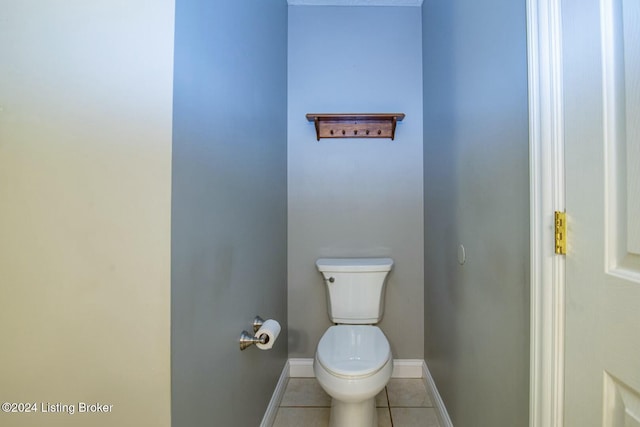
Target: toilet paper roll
{"x": 271, "y": 328}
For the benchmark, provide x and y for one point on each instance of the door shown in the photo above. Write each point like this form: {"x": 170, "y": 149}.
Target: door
{"x": 601, "y": 84}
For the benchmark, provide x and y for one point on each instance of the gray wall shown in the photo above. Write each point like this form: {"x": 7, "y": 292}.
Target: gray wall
{"x": 229, "y": 214}
{"x": 355, "y": 197}
{"x": 476, "y": 194}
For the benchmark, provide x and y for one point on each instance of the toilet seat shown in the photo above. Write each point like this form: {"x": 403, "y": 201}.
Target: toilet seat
{"x": 353, "y": 351}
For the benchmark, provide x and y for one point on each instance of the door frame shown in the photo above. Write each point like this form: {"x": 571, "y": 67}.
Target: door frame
{"x": 546, "y": 169}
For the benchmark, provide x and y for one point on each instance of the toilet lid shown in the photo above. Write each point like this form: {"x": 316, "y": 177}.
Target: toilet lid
{"x": 353, "y": 350}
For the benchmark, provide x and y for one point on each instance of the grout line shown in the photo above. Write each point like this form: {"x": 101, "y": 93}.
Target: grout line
{"x": 386, "y": 391}
{"x": 411, "y": 407}
{"x": 306, "y": 407}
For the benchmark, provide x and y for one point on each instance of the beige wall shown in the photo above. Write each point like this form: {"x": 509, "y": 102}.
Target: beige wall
{"x": 85, "y": 183}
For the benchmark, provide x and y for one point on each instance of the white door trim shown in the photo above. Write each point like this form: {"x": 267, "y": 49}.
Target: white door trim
{"x": 546, "y": 153}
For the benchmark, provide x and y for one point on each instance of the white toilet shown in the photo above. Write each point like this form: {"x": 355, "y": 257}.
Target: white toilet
{"x": 353, "y": 361}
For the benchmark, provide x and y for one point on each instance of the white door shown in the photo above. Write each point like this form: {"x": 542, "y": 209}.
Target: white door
{"x": 601, "y": 84}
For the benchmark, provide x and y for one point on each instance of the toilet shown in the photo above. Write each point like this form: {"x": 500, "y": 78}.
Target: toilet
{"x": 353, "y": 361}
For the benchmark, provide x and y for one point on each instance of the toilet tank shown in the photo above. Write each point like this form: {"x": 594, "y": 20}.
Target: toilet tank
{"x": 355, "y": 288}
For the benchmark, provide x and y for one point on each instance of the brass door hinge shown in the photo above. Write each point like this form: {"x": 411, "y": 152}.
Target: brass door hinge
{"x": 561, "y": 232}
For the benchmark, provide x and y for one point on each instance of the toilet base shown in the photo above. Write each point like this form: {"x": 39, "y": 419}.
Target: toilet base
{"x": 358, "y": 414}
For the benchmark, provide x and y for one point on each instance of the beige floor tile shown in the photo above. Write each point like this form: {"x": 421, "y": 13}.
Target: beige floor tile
{"x": 318, "y": 417}
{"x": 408, "y": 392}
{"x": 305, "y": 392}
{"x": 381, "y": 399}
{"x": 414, "y": 417}
{"x": 307, "y": 417}
{"x": 384, "y": 418}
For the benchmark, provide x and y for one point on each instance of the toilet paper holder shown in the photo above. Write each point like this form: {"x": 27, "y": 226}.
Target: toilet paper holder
{"x": 247, "y": 339}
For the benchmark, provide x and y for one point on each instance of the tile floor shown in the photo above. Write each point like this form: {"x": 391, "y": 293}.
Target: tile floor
{"x": 403, "y": 403}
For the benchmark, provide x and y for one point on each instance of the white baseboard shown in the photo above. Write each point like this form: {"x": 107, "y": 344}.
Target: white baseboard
{"x": 301, "y": 368}
{"x": 443, "y": 415}
{"x": 272, "y": 409}
{"x": 407, "y": 368}
{"x": 402, "y": 368}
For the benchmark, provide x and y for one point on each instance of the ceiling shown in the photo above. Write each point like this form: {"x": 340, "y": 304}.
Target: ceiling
{"x": 355, "y": 2}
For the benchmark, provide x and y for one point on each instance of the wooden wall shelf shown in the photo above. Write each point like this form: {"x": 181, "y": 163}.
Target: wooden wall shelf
{"x": 356, "y": 125}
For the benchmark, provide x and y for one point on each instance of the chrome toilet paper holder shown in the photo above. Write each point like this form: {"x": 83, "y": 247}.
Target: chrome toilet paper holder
{"x": 247, "y": 339}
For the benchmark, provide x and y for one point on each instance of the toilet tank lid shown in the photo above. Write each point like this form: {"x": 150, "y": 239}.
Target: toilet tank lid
{"x": 354, "y": 264}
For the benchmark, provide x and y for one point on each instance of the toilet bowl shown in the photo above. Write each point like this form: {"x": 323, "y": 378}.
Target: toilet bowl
{"x": 353, "y": 360}
{"x": 353, "y": 363}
